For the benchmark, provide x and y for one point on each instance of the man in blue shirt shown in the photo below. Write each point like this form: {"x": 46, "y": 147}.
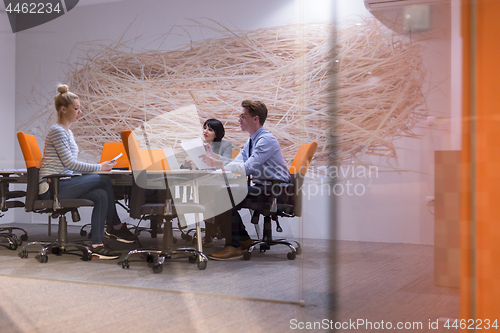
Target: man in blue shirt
{"x": 261, "y": 158}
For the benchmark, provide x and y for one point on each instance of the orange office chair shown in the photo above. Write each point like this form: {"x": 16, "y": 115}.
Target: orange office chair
{"x": 151, "y": 160}
{"x": 56, "y": 207}
{"x": 142, "y": 161}
{"x": 112, "y": 149}
{"x": 290, "y": 206}
{"x": 235, "y": 153}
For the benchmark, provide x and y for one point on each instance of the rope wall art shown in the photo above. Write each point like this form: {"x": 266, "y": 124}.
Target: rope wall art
{"x": 376, "y": 77}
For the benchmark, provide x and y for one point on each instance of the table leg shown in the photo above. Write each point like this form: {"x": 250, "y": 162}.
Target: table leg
{"x": 196, "y": 199}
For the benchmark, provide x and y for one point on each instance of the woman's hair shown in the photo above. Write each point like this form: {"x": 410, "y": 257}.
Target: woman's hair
{"x": 64, "y": 98}
{"x": 218, "y": 128}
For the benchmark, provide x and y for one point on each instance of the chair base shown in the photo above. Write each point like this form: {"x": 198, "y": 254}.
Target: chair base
{"x": 12, "y": 238}
{"x": 157, "y": 257}
{"x": 267, "y": 240}
{"x": 265, "y": 245}
{"x": 154, "y": 228}
{"x": 57, "y": 248}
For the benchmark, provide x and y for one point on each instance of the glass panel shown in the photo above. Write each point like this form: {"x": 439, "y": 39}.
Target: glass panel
{"x": 398, "y": 162}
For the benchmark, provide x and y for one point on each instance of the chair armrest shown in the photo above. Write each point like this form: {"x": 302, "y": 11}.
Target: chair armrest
{"x": 61, "y": 175}
{"x": 8, "y": 180}
{"x": 54, "y": 187}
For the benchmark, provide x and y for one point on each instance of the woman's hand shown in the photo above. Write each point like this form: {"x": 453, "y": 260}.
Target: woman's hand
{"x": 108, "y": 165}
{"x": 208, "y": 148}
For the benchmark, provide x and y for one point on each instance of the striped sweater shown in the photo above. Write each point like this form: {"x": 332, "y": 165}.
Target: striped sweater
{"x": 60, "y": 156}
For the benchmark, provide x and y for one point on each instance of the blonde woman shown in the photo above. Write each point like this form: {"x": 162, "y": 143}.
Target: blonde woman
{"x": 60, "y": 157}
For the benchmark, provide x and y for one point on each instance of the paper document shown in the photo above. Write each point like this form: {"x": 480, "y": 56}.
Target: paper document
{"x": 172, "y": 161}
{"x": 194, "y": 148}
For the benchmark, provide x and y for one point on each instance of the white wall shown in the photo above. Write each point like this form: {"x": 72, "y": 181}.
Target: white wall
{"x": 7, "y": 98}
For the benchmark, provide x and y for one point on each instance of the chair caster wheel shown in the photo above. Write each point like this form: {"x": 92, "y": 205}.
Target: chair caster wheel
{"x": 290, "y": 255}
{"x": 157, "y": 269}
{"x": 56, "y": 250}
{"x": 13, "y": 238}
{"x": 16, "y": 241}
{"x": 83, "y": 233}
{"x": 299, "y": 250}
{"x": 87, "y": 256}
{"x": 43, "y": 258}
{"x": 13, "y": 246}
{"x": 262, "y": 248}
{"x": 187, "y": 237}
{"x": 150, "y": 258}
{"x": 90, "y": 235}
{"x": 192, "y": 259}
{"x": 247, "y": 255}
{"x": 125, "y": 263}
{"x": 202, "y": 265}
{"x": 24, "y": 237}
{"x": 23, "y": 254}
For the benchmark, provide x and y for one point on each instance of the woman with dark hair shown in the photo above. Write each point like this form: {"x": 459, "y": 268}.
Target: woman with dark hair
{"x": 213, "y": 132}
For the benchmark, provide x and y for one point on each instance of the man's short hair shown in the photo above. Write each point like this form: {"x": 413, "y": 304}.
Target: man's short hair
{"x": 256, "y": 108}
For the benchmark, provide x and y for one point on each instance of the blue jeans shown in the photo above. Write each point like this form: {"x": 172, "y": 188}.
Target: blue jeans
{"x": 96, "y": 188}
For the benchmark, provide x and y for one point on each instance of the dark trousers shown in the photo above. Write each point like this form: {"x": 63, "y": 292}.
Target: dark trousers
{"x": 232, "y": 227}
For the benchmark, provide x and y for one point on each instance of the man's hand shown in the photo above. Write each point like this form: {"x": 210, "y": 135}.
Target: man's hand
{"x": 210, "y": 161}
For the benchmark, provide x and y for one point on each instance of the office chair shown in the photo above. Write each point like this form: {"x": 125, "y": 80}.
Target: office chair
{"x": 112, "y": 149}
{"x": 235, "y": 153}
{"x": 56, "y": 207}
{"x": 155, "y": 160}
{"x": 142, "y": 161}
{"x": 7, "y": 202}
{"x": 290, "y": 205}
{"x": 109, "y": 151}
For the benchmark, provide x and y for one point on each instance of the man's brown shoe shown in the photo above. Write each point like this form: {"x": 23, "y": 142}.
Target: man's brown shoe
{"x": 246, "y": 244}
{"x": 227, "y": 253}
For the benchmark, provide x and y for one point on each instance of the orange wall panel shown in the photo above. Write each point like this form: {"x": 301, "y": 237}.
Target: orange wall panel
{"x": 484, "y": 154}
